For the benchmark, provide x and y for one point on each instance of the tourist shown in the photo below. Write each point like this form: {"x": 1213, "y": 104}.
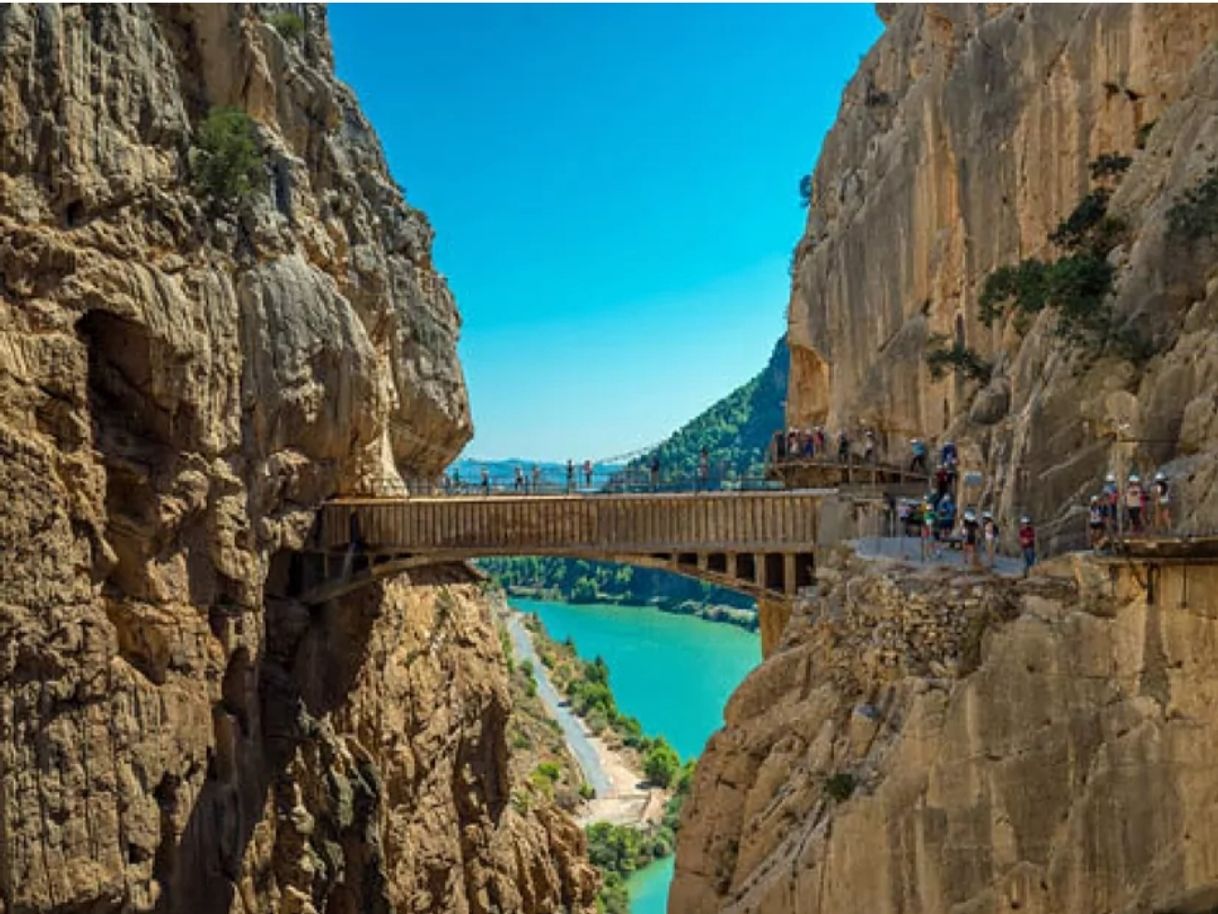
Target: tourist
{"x": 869, "y": 452}
{"x": 948, "y": 456}
{"x": 1133, "y": 503}
{"x": 780, "y": 446}
{"x": 818, "y": 437}
{"x": 918, "y": 447}
{"x": 655, "y": 472}
{"x": 971, "y": 529}
{"x": 570, "y": 475}
{"x": 1027, "y": 543}
{"x": 1097, "y": 520}
{"x": 457, "y": 481}
{"x": 929, "y": 519}
{"x": 1110, "y": 499}
{"x": 989, "y": 531}
{"x": 1162, "y": 490}
{"x": 946, "y": 511}
{"x": 703, "y": 468}
{"x": 518, "y": 483}
{"x": 793, "y": 443}
{"x": 588, "y": 474}
{"x": 843, "y": 448}
{"x": 486, "y": 481}
{"x": 809, "y": 444}
{"x": 942, "y": 481}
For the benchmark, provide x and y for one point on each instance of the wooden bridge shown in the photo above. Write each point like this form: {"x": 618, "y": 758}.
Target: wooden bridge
{"x": 758, "y": 542}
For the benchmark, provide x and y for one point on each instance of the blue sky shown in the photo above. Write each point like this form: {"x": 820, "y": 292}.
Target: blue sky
{"x": 614, "y": 193}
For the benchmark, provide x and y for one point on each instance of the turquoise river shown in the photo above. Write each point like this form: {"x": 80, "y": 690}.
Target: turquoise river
{"x": 674, "y": 673}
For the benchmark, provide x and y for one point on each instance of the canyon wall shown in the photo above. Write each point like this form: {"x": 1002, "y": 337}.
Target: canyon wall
{"x": 963, "y": 140}
{"x": 934, "y": 741}
{"x": 182, "y": 381}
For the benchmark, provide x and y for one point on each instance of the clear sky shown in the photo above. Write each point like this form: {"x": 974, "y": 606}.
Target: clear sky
{"x": 614, "y": 191}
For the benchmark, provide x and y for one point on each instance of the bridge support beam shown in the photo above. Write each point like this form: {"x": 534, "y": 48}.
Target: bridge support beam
{"x": 773, "y": 613}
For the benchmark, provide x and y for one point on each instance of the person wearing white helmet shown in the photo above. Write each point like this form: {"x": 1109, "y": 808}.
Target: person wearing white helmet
{"x": 1027, "y": 543}
{"x": 1162, "y": 491}
{"x": 918, "y": 447}
{"x": 989, "y": 530}
{"x": 1133, "y": 503}
{"x": 1096, "y": 520}
{"x": 1110, "y": 501}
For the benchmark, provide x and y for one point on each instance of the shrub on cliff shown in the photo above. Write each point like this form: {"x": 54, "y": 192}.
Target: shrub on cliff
{"x": 941, "y": 358}
{"x": 287, "y": 24}
{"x": 226, "y": 163}
{"x": 661, "y": 763}
{"x": 1195, "y": 213}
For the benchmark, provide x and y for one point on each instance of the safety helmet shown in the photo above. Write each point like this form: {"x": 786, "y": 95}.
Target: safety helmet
{"x": 987, "y": 515}
{"x": 1025, "y": 519}
{"x": 1094, "y": 499}
{"x": 1111, "y": 477}
{"x": 969, "y": 515}
{"x": 1134, "y": 477}
{"x": 1160, "y": 476}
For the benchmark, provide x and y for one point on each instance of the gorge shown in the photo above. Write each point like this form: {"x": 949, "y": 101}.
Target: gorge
{"x": 219, "y": 313}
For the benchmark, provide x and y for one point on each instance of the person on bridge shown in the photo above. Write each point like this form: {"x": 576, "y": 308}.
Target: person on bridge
{"x": 930, "y": 518}
{"x": 486, "y": 481}
{"x": 818, "y": 439}
{"x": 943, "y": 481}
{"x": 808, "y": 445}
{"x": 948, "y": 455}
{"x": 1110, "y": 499}
{"x": 457, "y": 481}
{"x": 536, "y": 479}
{"x": 655, "y": 472}
{"x": 1097, "y": 520}
{"x": 518, "y": 483}
{"x": 918, "y": 447}
{"x": 989, "y": 532}
{"x": 1162, "y": 490}
{"x": 588, "y": 474}
{"x": 1027, "y": 543}
{"x": 869, "y": 451}
{"x": 1133, "y": 503}
{"x": 703, "y": 469}
{"x": 843, "y": 448}
{"x": 570, "y": 475}
{"x": 946, "y": 511}
{"x": 780, "y": 446}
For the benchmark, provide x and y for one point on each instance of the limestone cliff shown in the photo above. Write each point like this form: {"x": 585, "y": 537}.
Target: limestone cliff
{"x": 963, "y": 140}
{"x": 947, "y": 743}
{"x": 180, "y": 386}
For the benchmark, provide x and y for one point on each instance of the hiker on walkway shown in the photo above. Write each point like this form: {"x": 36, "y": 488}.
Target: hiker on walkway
{"x": 518, "y": 483}
{"x": 930, "y": 519}
{"x": 536, "y": 479}
{"x": 943, "y": 481}
{"x": 1133, "y": 503}
{"x": 946, "y": 511}
{"x": 948, "y": 456}
{"x": 486, "y": 481}
{"x": 843, "y": 448}
{"x": 1110, "y": 500}
{"x": 1162, "y": 491}
{"x": 818, "y": 438}
{"x": 703, "y": 468}
{"x": 793, "y": 443}
{"x": 588, "y": 474}
{"x": 780, "y": 446}
{"x": 457, "y": 481}
{"x": 989, "y": 532}
{"x": 971, "y": 530}
{"x": 918, "y": 447}
{"x": 808, "y": 447}
{"x": 570, "y": 475}
{"x": 869, "y": 450}
{"x": 1097, "y": 520}
{"x": 1027, "y": 543}
{"x": 655, "y": 472}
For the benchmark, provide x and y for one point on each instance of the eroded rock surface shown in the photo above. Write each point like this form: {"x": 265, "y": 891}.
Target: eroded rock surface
{"x": 937, "y": 741}
{"x": 180, "y": 386}
{"x": 961, "y": 143}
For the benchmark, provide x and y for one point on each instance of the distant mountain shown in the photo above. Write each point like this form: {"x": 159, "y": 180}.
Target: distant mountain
{"x": 735, "y": 431}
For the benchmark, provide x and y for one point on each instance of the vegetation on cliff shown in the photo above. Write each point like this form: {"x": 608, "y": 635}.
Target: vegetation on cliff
{"x": 580, "y": 581}
{"x": 226, "y": 160}
{"x": 734, "y": 431}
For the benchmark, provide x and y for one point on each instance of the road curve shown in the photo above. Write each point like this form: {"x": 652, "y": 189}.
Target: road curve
{"x": 577, "y": 738}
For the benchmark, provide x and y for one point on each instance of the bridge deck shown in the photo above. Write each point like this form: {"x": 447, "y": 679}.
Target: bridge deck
{"x": 601, "y": 524}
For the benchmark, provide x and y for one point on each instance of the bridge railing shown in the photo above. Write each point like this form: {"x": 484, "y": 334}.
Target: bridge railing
{"x": 617, "y": 484}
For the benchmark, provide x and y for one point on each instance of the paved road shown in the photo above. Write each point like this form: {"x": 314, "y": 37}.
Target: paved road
{"x": 909, "y": 549}
{"x": 577, "y": 739}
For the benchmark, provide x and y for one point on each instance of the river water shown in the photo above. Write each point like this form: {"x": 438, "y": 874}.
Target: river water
{"x": 674, "y": 673}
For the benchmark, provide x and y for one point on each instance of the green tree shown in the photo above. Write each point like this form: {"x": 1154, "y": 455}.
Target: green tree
{"x": 226, "y": 161}
{"x": 661, "y": 763}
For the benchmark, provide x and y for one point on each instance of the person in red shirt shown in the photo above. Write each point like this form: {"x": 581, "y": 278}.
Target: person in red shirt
{"x": 1027, "y": 542}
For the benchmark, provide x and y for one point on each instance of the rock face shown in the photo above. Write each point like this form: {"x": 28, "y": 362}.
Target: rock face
{"x": 963, "y": 140}
{"x": 180, "y": 387}
{"x": 942, "y": 742}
